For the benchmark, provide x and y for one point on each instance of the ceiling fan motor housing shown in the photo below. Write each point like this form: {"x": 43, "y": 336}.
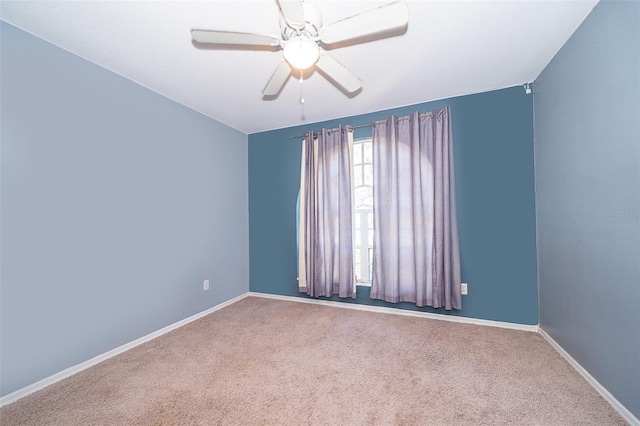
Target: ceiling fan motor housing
{"x": 309, "y": 28}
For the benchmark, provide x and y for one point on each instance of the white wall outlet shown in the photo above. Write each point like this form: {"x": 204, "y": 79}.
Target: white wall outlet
{"x": 463, "y": 288}
{"x": 205, "y": 285}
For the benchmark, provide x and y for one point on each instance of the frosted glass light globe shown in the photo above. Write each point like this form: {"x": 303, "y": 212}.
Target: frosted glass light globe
{"x": 301, "y": 52}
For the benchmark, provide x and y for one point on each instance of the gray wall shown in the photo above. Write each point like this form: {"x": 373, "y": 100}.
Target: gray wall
{"x": 587, "y": 155}
{"x": 116, "y": 204}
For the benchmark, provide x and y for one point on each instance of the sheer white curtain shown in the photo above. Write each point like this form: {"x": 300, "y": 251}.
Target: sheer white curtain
{"x": 416, "y": 256}
{"x": 326, "y": 210}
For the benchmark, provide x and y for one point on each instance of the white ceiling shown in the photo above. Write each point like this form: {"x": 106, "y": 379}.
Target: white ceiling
{"x": 451, "y": 48}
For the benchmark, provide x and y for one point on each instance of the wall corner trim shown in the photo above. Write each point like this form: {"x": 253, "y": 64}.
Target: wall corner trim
{"x": 621, "y": 409}
{"x": 395, "y": 311}
{"x": 48, "y": 381}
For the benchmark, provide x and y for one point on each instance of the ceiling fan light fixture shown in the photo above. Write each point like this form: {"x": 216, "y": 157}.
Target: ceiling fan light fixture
{"x": 301, "y": 52}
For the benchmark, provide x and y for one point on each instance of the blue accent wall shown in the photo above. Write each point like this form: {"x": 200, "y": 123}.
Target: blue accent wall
{"x": 587, "y": 145}
{"x": 116, "y": 204}
{"x": 493, "y": 147}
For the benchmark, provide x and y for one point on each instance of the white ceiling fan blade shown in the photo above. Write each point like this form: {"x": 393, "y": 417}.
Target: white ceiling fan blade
{"x": 278, "y": 79}
{"x": 337, "y": 72}
{"x": 230, "y": 37}
{"x": 385, "y": 18}
{"x": 292, "y": 12}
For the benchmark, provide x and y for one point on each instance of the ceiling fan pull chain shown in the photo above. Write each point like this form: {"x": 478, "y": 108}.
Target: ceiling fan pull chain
{"x": 301, "y": 87}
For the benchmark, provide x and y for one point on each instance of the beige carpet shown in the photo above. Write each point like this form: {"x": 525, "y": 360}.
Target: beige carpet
{"x": 263, "y": 361}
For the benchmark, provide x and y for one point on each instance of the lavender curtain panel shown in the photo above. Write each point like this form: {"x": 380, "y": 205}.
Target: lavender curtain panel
{"x": 326, "y": 210}
{"x": 416, "y": 254}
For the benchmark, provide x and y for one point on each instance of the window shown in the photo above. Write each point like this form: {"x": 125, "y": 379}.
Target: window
{"x": 363, "y": 214}
{"x": 411, "y": 261}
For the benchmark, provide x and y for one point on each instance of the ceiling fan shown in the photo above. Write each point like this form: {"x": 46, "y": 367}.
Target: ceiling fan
{"x": 304, "y": 38}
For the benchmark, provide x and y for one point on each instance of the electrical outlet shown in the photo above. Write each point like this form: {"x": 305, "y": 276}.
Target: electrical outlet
{"x": 205, "y": 285}
{"x": 463, "y": 288}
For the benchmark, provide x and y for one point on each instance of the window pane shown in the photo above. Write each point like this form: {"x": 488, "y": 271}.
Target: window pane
{"x": 367, "y": 152}
{"x": 364, "y": 197}
{"x": 357, "y": 176}
{"x": 357, "y": 153}
{"x": 368, "y": 175}
{"x": 363, "y": 221}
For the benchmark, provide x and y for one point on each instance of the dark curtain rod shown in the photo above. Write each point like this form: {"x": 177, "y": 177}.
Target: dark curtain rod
{"x": 426, "y": 114}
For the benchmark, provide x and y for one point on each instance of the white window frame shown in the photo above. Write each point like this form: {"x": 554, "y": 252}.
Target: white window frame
{"x": 365, "y": 216}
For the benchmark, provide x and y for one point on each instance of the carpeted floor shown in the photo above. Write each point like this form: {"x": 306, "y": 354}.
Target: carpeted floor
{"x": 262, "y": 361}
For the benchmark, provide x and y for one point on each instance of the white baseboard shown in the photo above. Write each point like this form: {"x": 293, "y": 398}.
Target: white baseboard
{"x": 405, "y": 312}
{"x": 621, "y": 409}
{"x": 41, "y": 384}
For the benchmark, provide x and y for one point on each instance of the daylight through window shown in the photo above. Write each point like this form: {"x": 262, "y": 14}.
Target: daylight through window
{"x": 363, "y": 220}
